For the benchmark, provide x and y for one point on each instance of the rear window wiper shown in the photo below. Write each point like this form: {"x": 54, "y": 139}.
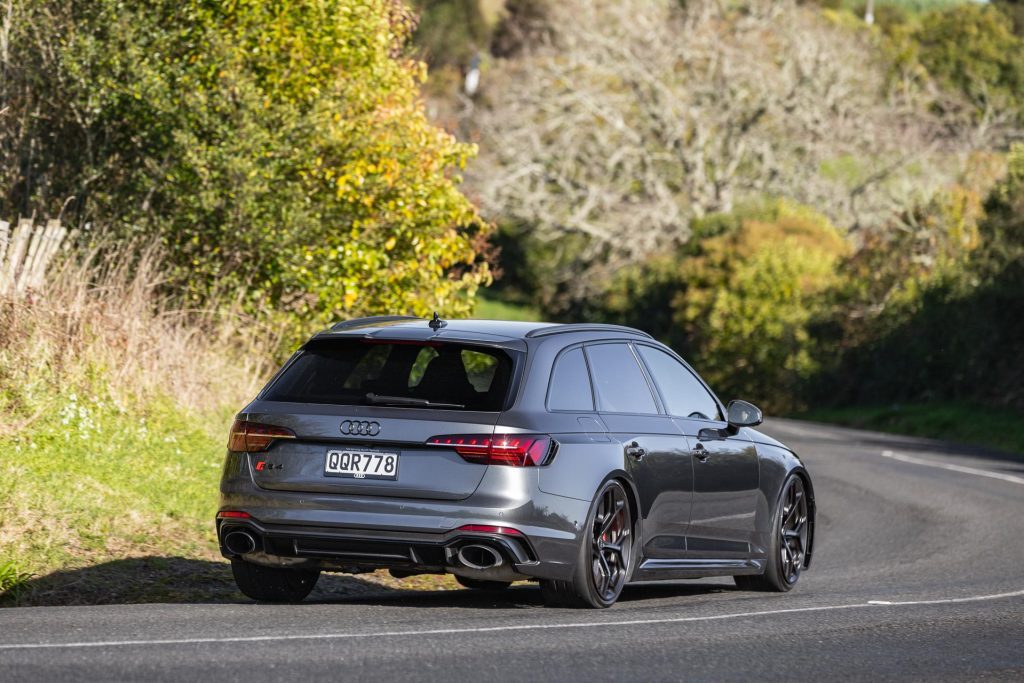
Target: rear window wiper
{"x": 408, "y": 401}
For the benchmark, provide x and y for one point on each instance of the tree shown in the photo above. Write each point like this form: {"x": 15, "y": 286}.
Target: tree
{"x": 955, "y": 333}
{"x": 1015, "y": 10}
{"x": 602, "y": 147}
{"x": 972, "y": 49}
{"x": 278, "y": 150}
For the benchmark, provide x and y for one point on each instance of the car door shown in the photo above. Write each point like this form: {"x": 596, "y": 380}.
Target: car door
{"x": 726, "y": 472}
{"x": 656, "y": 453}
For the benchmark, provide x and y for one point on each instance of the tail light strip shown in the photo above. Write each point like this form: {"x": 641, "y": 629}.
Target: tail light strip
{"x": 513, "y": 450}
{"x": 253, "y": 437}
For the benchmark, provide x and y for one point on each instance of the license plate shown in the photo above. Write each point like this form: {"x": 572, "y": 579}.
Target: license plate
{"x": 361, "y": 464}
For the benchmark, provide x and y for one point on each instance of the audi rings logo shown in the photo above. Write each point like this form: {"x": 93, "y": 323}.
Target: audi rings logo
{"x": 360, "y": 428}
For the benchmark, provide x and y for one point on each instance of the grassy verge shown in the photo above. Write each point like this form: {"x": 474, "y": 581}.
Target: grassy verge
{"x": 103, "y": 504}
{"x": 97, "y": 483}
{"x": 973, "y": 424}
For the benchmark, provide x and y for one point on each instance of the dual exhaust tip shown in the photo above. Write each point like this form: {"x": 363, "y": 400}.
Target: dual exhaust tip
{"x": 240, "y": 542}
{"x": 476, "y": 556}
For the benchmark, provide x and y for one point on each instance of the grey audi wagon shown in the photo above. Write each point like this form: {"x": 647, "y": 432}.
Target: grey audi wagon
{"x": 580, "y": 456}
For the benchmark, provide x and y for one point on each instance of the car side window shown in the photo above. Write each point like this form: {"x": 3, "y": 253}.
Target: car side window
{"x": 684, "y": 394}
{"x": 570, "y": 383}
{"x": 620, "y": 383}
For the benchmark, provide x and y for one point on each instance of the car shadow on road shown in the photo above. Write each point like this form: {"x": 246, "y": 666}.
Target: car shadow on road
{"x": 158, "y": 579}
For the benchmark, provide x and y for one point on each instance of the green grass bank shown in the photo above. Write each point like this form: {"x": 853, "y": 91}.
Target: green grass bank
{"x": 964, "y": 423}
{"x": 106, "y": 505}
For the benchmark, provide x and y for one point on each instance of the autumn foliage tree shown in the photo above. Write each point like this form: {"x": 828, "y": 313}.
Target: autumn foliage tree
{"x": 740, "y": 299}
{"x": 279, "y": 151}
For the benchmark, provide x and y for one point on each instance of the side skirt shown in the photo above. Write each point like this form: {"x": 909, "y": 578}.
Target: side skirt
{"x": 659, "y": 569}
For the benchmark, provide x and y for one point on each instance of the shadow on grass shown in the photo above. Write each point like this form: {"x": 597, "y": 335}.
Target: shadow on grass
{"x": 182, "y": 580}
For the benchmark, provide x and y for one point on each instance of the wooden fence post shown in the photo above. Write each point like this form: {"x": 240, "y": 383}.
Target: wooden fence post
{"x": 26, "y": 253}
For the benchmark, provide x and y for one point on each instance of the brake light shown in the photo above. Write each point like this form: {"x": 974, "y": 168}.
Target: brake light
{"x": 514, "y": 450}
{"x": 488, "y": 529}
{"x": 253, "y": 437}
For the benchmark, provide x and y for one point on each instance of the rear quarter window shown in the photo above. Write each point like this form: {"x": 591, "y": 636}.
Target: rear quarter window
{"x": 570, "y": 383}
{"x": 620, "y": 383}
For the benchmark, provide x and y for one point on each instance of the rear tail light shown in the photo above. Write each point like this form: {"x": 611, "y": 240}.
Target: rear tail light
{"x": 515, "y": 450}
{"x": 253, "y": 437}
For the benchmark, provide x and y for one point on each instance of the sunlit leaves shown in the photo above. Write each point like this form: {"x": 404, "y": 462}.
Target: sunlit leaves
{"x": 279, "y": 150}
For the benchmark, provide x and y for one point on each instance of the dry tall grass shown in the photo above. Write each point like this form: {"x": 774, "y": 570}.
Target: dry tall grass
{"x": 114, "y": 404}
{"x": 100, "y": 325}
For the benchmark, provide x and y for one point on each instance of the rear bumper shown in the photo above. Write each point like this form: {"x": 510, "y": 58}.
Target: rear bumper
{"x": 364, "y": 533}
{"x": 358, "y": 550}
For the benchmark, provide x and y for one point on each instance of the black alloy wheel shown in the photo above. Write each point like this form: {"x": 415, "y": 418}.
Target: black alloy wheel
{"x": 605, "y": 555}
{"x": 788, "y": 550}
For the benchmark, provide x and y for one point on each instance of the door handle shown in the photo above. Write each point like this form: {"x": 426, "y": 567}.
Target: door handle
{"x": 635, "y": 450}
{"x": 700, "y": 452}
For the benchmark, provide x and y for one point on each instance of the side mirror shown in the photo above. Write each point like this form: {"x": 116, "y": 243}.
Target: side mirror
{"x": 743, "y": 414}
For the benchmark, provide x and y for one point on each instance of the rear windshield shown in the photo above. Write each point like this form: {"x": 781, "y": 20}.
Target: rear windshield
{"x": 404, "y": 374}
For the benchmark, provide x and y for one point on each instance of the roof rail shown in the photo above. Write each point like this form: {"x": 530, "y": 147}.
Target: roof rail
{"x": 371, "y": 320}
{"x": 584, "y": 327}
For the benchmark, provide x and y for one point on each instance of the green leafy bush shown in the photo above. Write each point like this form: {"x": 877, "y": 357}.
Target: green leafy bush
{"x": 1015, "y": 10}
{"x": 739, "y": 300}
{"x": 752, "y": 294}
{"x": 972, "y": 48}
{"x": 279, "y": 150}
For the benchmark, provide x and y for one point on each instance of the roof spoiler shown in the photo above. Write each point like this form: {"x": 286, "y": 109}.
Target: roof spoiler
{"x": 371, "y": 321}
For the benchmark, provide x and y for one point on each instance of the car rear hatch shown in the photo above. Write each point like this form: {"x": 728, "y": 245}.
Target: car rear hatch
{"x": 360, "y": 412}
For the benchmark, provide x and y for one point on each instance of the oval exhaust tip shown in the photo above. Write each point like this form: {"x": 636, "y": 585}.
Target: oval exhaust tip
{"x": 240, "y": 542}
{"x": 479, "y": 556}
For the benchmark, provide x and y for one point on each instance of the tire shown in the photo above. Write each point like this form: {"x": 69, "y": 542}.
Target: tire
{"x": 483, "y": 585}
{"x": 271, "y": 584}
{"x": 605, "y": 556}
{"x": 787, "y": 550}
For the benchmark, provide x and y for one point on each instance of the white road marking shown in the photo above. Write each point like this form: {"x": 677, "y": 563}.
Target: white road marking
{"x": 510, "y": 627}
{"x": 953, "y": 468}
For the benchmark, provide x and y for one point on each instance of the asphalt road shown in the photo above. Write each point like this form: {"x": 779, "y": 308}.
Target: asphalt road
{"x": 918, "y": 574}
